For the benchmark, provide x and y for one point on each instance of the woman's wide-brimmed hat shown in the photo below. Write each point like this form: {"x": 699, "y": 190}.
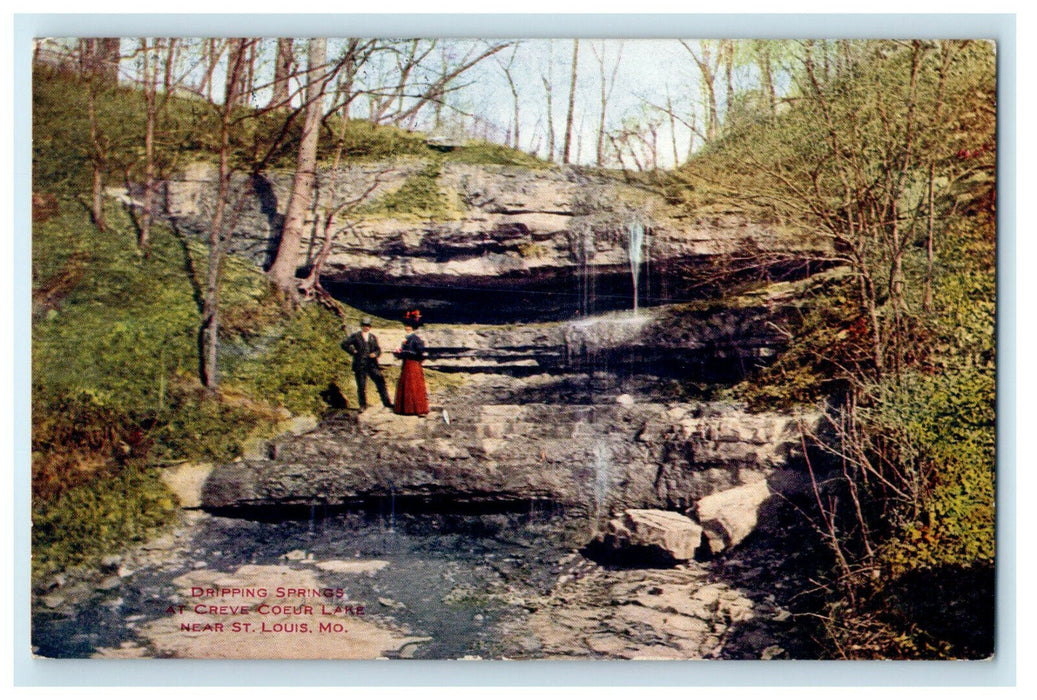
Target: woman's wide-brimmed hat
{"x": 412, "y": 318}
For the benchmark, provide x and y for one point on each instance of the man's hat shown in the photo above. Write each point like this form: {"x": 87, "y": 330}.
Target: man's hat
{"x": 365, "y": 321}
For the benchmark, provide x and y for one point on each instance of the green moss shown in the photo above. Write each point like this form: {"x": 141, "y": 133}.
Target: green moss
{"x": 364, "y": 141}
{"x": 420, "y": 196}
{"x": 302, "y": 362}
{"x": 485, "y": 153}
{"x": 532, "y": 250}
{"x": 104, "y": 514}
{"x": 944, "y": 428}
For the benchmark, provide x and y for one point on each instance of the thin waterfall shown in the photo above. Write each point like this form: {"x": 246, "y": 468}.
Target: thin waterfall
{"x": 637, "y": 251}
{"x": 586, "y": 248}
{"x": 602, "y": 477}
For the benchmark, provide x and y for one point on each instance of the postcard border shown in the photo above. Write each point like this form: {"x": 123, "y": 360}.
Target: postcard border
{"x": 1000, "y": 671}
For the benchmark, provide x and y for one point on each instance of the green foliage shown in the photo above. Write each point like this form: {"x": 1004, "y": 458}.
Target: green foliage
{"x": 301, "y": 363}
{"x": 110, "y": 512}
{"x": 75, "y": 437}
{"x": 128, "y": 322}
{"x": 196, "y": 427}
{"x": 486, "y": 153}
{"x": 362, "y": 140}
{"x": 421, "y": 195}
{"x": 944, "y": 430}
{"x": 62, "y": 150}
{"x": 829, "y": 344}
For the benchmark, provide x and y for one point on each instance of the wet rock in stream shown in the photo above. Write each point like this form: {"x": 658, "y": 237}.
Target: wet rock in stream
{"x": 434, "y": 586}
{"x": 448, "y": 582}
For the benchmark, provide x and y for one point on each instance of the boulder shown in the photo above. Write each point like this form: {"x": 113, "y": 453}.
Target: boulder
{"x": 729, "y": 516}
{"x": 651, "y": 531}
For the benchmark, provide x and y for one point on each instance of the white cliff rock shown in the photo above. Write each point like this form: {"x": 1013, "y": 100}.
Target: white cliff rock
{"x": 729, "y": 516}
{"x": 668, "y": 532}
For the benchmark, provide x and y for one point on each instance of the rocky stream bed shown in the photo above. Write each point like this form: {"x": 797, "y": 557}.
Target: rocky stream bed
{"x": 422, "y": 586}
{"x": 397, "y": 569}
{"x": 513, "y": 520}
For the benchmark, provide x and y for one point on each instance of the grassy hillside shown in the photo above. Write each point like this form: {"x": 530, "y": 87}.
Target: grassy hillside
{"x": 188, "y": 130}
{"x": 894, "y": 161}
{"x": 115, "y": 389}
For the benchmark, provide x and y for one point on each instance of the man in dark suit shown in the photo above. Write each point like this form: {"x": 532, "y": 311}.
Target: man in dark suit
{"x": 363, "y": 346}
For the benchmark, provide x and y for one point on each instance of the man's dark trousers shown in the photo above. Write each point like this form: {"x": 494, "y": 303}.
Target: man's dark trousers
{"x": 373, "y": 371}
{"x": 365, "y": 364}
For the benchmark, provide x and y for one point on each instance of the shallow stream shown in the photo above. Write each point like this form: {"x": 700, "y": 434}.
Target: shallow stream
{"x": 452, "y": 578}
{"x": 433, "y": 586}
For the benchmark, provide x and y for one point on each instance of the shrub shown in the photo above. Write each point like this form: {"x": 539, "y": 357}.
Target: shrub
{"x": 301, "y": 363}
{"x": 106, "y": 513}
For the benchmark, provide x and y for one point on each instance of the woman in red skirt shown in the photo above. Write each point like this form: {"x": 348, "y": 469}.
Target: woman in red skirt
{"x": 411, "y": 395}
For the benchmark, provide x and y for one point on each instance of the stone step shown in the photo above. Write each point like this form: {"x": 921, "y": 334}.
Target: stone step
{"x": 620, "y": 454}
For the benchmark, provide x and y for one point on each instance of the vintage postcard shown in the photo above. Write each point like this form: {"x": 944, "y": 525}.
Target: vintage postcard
{"x": 430, "y": 348}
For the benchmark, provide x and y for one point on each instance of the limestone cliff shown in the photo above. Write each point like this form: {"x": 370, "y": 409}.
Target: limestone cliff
{"x": 494, "y": 225}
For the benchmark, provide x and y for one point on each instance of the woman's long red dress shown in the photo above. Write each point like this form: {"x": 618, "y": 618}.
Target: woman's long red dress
{"x": 411, "y": 394}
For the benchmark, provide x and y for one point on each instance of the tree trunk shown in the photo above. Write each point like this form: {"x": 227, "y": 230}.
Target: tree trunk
{"x": 249, "y": 82}
{"x": 927, "y": 297}
{"x": 506, "y": 68}
{"x": 171, "y": 55}
{"x": 600, "y": 150}
{"x": 548, "y": 80}
{"x": 109, "y": 61}
{"x": 550, "y": 122}
{"x": 763, "y": 60}
{"x": 706, "y": 85}
{"x": 712, "y": 124}
{"x": 514, "y": 136}
{"x": 282, "y": 272}
{"x": 99, "y": 60}
{"x": 728, "y": 47}
{"x": 210, "y": 330}
{"x": 213, "y": 51}
{"x": 237, "y": 95}
{"x": 606, "y": 94}
{"x": 691, "y": 134}
{"x": 282, "y": 72}
{"x": 673, "y": 129}
{"x": 567, "y": 143}
{"x": 149, "y": 91}
{"x": 514, "y": 94}
{"x": 98, "y": 161}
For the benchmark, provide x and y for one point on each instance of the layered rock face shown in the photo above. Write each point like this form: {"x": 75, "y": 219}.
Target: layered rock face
{"x": 719, "y": 344}
{"x": 595, "y": 459}
{"x": 553, "y": 245}
{"x": 505, "y": 227}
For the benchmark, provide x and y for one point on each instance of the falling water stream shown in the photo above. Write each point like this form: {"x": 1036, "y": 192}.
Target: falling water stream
{"x": 602, "y": 475}
{"x": 637, "y": 250}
